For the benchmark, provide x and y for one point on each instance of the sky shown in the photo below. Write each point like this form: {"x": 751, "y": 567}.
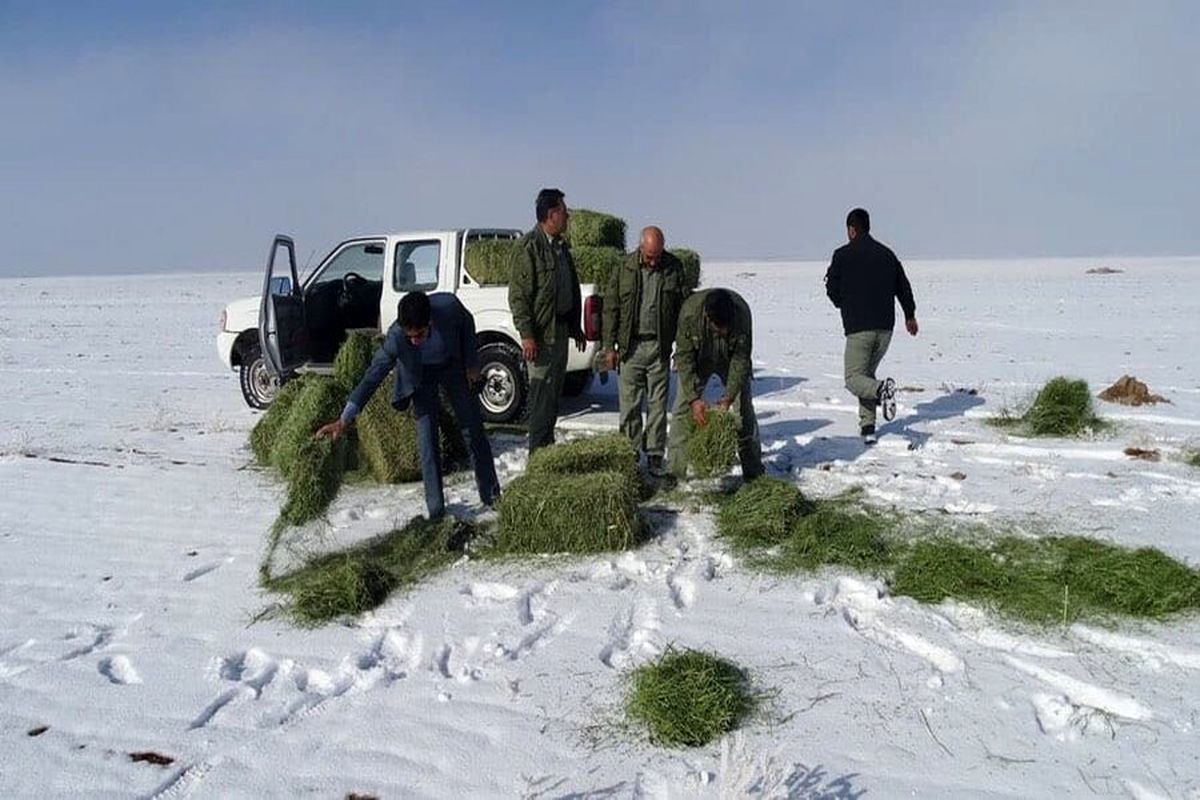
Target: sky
{"x": 150, "y": 136}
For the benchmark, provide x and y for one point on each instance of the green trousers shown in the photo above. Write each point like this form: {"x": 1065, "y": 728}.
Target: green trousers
{"x": 864, "y": 351}
{"x": 546, "y": 374}
{"x": 644, "y": 378}
{"x": 749, "y": 446}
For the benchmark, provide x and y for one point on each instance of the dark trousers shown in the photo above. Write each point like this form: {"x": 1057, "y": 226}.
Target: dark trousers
{"x": 465, "y": 404}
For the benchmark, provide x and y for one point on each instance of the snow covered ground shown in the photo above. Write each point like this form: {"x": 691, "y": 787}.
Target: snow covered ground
{"x": 131, "y": 527}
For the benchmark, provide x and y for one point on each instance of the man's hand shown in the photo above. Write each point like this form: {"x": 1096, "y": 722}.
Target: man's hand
{"x": 724, "y": 403}
{"x": 699, "y": 413}
{"x": 580, "y": 340}
{"x": 474, "y": 377}
{"x": 529, "y": 348}
{"x": 911, "y": 326}
{"x": 611, "y": 360}
{"x": 333, "y": 430}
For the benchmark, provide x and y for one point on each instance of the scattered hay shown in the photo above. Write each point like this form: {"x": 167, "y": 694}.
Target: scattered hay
{"x": 1063, "y": 407}
{"x": 266, "y": 430}
{"x": 595, "y": 264}
{"x": 320, "y": 400}
{"x": 353, "y": 581}
{"x": 595, "y": 229}
{"x": 313, "y": 480}
{"x": 1129, "y": 391}
{"x": 489, "y": 262}
{"x": 688, "y": 698}
{"x": 762, "y": 512}
{"x": 837, "y": 534}
{"x": 352, "y": 360}
{"x": 609, "y": 453}
{"x": 547, "y": 513}
{"x": 690, "y": 261}
{"x": 713, "y": 449}
{"x": 1059, "y": 578}
{"x": 1143, "y": 454}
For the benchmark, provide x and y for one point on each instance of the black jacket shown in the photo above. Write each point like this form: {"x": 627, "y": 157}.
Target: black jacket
{"x": 864, "y": 280}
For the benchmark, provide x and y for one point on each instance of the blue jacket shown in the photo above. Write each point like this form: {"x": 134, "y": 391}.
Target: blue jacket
{"x": 457, "y": 329}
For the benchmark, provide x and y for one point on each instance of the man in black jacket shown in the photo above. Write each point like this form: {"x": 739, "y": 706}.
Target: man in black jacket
{"x": 864, "y": 281}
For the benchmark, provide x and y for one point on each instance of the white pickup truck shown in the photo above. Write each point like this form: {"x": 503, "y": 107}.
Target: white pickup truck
{"x": 297, "y": 326}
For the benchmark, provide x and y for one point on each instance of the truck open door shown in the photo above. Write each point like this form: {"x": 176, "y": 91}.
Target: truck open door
{"x": 281, "y": 318}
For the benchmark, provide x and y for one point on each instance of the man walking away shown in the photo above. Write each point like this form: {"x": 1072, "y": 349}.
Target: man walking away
{"x": 431, "y": 346}
{"x": 864, "y": 281}
{"x": 714, "y": 338}
{"x": 544, "y": 297}
{"x": 641, "y": 311}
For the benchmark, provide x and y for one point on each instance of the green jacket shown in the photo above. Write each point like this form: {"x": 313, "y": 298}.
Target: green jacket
{"x": 699, "y": 352}
{"x": 533, "y": 289}
{"x": 622, "y": 297}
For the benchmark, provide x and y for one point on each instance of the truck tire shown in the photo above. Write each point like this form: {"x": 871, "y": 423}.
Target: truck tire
{"x": 259, "y": 386}
{"x": 505, "y": 385}
{"x": 576, "y": 383}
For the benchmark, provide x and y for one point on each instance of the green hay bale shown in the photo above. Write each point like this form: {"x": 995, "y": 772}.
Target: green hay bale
{"x": 313, "y": 480}
{"x": 713, "y": 449}
{"x": 688, "y": 698}
{"x": 266, "y": 430}
{"x": 595, "y": 229}
{"x": 595, "y": 264}
{"x": 352, "y": 360}
{"x": 489, "y": 262}
{"x": 320, "y": 400}
{"x": 547, "y": 513}
{"x": 387, "y": 439}
{"x": 1063, "y": 407}
{"x": 690, "y": 261}
{"x": 608, "y": 453}
{"x": 361, "y": 578}
{"x": 762, "y": 512}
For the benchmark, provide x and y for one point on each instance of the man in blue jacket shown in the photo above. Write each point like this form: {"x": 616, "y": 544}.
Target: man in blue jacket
{"x": 431, "y": 346}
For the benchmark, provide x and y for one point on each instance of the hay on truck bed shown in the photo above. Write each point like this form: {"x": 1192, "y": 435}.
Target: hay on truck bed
{"x": 690, "y": 261}
{"x": 595, "y": 229}
{"x": 489, "y": 261}
{"x": 587, "y": 513}
{"x": 712, "y": 450}
{"x": 595, "y": 264}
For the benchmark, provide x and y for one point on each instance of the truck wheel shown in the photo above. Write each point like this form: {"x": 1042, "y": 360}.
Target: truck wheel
{"x": 259, "y": 386}
{"x": 505, "y": 387}
{"x": 576, "y": 383}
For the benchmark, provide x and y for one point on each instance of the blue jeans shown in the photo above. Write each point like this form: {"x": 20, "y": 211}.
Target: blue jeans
{"x": 453, "y": 379}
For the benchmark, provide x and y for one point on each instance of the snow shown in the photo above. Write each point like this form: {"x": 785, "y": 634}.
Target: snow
{"x": 131, "y": 528}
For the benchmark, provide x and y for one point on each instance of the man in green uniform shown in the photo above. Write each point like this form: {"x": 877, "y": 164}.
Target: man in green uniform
{"x": 641, "y": 310}
{"x": 544, "y": 296}
{"x": 714, "y": 338}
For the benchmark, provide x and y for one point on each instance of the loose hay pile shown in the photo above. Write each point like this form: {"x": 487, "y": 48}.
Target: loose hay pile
{"x": 313, "y": 480}
{"x": 1063, "y": 407}
{"x": 1129, "y": 391}
{"x": 712, "y": 449}
{"x": 688, "y": 698}
{"x": 762, "y": 512}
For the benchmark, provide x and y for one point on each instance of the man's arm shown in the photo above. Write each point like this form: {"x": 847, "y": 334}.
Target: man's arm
{"x": 381, "y": 364}
{"x": 612, "y": 310}
{"x": 904, "y": 292}
{"x": 833, "y": 282}
{"x": 740, "y": 365}
{"x": 685, "y": 361}
{"x": 520, "y": 292}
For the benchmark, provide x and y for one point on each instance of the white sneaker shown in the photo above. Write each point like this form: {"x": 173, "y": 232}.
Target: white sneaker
{"x": 887, "y": 398}
{"x": 868, "y": 435}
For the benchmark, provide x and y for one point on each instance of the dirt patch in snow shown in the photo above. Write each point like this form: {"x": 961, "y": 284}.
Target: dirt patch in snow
{"x": 1129, "y": 391}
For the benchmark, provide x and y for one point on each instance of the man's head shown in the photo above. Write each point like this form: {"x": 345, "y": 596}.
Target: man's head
{"x": 652, "y": 244}
{"x": 551, "y": 209}
{"x": 719, "y": 311}
{"x": 415, "y": 317}
{"x": 858, "y": 222}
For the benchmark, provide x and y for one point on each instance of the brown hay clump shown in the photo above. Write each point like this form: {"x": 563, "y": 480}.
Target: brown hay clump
{"x": 609, "y": 453}
{"x": 546, "y": 513}
{"x": 712, "y": 450}
{"x": 1129, "y": 391}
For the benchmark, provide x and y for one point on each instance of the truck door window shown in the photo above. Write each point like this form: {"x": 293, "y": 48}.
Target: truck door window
{"x": 365, "y": 259}
{"x": 417, "y": 266}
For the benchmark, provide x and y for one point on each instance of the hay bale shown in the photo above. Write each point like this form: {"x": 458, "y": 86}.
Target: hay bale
{"x": 1063, "y": 407}
{"x": 713, "y": 449}
{"x": 609, "y": 453}
{"x": 688, "y": 698}
{"x": 595, "y": 264}
{"x": 547, "y": 513}
{"x": 387, "y": 439}
{"x": 595, "y": 229}
{"x": 266, "y": 430}
{"x": 353, "y": 358}
{"x": 1129, "y": 391}
{"x": 319, "y": 400}
{"x": 762, "y": 512}
{"x": 690, "y": 261}
{"x": 313, "y": 480}
{"x": 489, "y": 262}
